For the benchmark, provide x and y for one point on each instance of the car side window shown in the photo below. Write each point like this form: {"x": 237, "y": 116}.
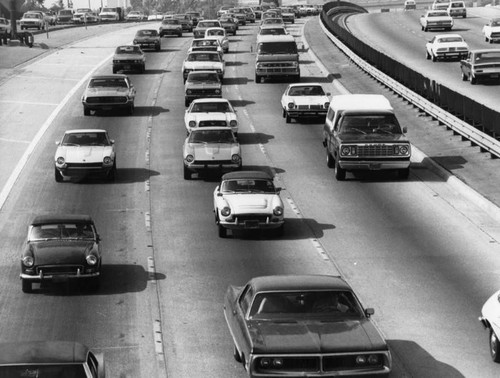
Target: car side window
{"x": 245, "y": 299}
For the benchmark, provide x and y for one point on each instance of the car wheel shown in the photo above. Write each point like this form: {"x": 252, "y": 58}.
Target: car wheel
{"x": 158, "y": 48}
{"x": 427, "y": 55}
{"x": 404, "y": 173}
{"x": 464, "y": 77}
{"x": 86, "y": 111}
{"x": 115, "y": 70}
{"x": 143, "y": 69}
{"x": 57, "y": 175}
{"x": 330, "y": 161}
{"x": 234, "y": 33}
{"x": 222, "y": 231}
{"x": 258, "y": 79}
{"x": 472, "y": 79}
{"x": 283, "y": 113}
{"x": 26, "y": 286}
{"x": 112, "y": 173}
{"x": 237, "y": 355}
{"x": 131, "y": 109}
{"x": 339, "y": 172}
{"x": 494, "y": 346}
{"x": 490, "y": 41}
{"x": 434, "y": 57}
{"x": 187, "y": 174}
{"x": 288, "y": 119}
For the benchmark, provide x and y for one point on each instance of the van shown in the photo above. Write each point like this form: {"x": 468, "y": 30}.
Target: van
{"x": 362, "y": 132}
{"x": 457, "y": 9}
{"x": 277, "y": 56}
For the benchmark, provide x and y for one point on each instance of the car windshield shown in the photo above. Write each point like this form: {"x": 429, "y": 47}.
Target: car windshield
{"x": 211, "y": 107}
{"x": 43, "y": 370}
{"x": 147, "y": 33}
{"x": 203, "y": 57}
{"x": 369, "y": 124}
{"x": 272, "y": 31}
{"x": 248, "y": 186}
{"x": 277, "y": 48}
{"x": 306, "y": 90}
{"x": 211, "y": 136}
{"x": 66, "y": 230}
{"x": 332, "y": 305}
{"x": 128, "y": 50}
{"x": 449, "y": 39}
{"x": 108, "y": 83}
{"x": 83, "y": 10}
{"x": 208, "y": 24}
{"x": 85, "y": 139}
{"x": 195, "y": 77}
{"x": 32, "y": 15}
{"x": 170, "y": 21}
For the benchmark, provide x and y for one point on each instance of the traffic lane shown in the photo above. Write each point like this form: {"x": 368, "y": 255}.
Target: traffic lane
{"x": 399, "y": 36}
{"x": 123, "y": 329}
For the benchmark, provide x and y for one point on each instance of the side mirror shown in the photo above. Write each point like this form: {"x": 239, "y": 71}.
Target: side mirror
{"x": 405, "y": 129}
{"x": 112, "y": 141}
{"x": 369, "y": 312}
{"x": 57, "y": 142}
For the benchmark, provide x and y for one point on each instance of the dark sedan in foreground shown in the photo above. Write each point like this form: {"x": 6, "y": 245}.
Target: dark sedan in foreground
{"x": 49, "y": 359}
{"x": 60, "y": 248}
{"x": 304, "y": 326}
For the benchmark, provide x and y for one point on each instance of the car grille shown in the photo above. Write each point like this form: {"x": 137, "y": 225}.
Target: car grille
{"x": 495, "y": 35}
{"x": 261, "y": 218}
{"x": 375, "y": 150}
{"x": 107, "y": 100}
{"x": 59, "y": 270}
{"x": 83, "y": 165}
{"x": 307, "y": 107}
{"x": 212, "y": 123}
{"x": 332, "y": 363}
{"x": 201, "y": 92}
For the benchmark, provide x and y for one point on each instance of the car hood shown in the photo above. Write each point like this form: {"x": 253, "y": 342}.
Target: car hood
{"x": 86, "y": 154}
{"x": 61, "y": 251}
{"x": 242, "y": 203}
{"x": 315, "y": 336}
{"x": 107, "y": 91}
{"x": 213, "y": 151}
{"x": 372, "y": 138}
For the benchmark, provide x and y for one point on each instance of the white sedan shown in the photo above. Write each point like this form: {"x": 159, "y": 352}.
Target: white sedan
{"x": 491, "y": 30}
{"x": 220, "y": 34}
{"x": 490, "y": 318}
{"x": 205, "y": 112}
{"x": 211, "y": 149}
{"x": 84, "y": 152}
{"x": 446, "y": 46}
{"x": 203, "y": 61}
{"x": 436, "y": 19}
{"x": 302, "y": 100}
{"x": 248, "y": 200}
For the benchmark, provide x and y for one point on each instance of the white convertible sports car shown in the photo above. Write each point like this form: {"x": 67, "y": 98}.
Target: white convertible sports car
{"x": 85, "y": 152}
{"x": 248, "y": 200}
{"x": 211, "y": 149}
{"x": 490, "y": 318}
{"x": 203, "y": 61}
{"x": 302, "y": 100}
{"x": 491, "y": 30}
{"x": 203, "y": 110}
{"x": 436, "y": 19}
{"x": 446, "y": 46}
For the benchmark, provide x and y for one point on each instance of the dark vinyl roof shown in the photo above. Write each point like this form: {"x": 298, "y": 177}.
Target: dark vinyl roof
{"x": 247, "y": 175}
{"x": 300, "y": 282}
{"x": 42, "y": 352}
{"x": 62, "y": 218}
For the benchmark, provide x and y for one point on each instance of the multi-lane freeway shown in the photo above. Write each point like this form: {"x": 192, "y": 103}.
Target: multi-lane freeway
{"x": 422, "y": 254}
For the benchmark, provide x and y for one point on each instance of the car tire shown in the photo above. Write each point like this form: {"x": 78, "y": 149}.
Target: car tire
{"x": 143, "y": 69}
{"x": 234, "y": 33}
{"x": 131, "y": 109}
{"x": 222, "y": 231}
{"x": 186, "y": 102}
{"x": 339, "y": 172}
{"x": 26, "y": 286}
{"x": 494, "y": 346}
{"x": 158, "y": 48}
{"x": 258, "y": 79}
{"x": 115, "y": 70}
{"x": 86, "y": 111}
{"x": 187, "y": 174}
{"x": 464, "y": 77}
{"x": 288, "y": 119}
{"x": 112, "y": 173}
{"x": 237, "y": 355}
{"x": 433, "y": 57}
{"x": 280, "y": 231}
{"x": 427, "y": 55}
{"x": 472, "y": 79}
{"x": 330, "y": 161}
{"x": 283, "y": 113}
{"x": 57, "y": 175}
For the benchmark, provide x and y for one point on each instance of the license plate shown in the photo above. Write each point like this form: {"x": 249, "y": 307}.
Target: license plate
{"x": 252, "y": 224}
{"x": 375, "y": 166}
{"x": 60, "y": 279}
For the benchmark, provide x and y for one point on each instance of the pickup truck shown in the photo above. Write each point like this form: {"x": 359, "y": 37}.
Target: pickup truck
{"x": 481, "y": 64}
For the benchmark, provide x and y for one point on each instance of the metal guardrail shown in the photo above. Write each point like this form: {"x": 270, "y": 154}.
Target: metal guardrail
{"x": 467, "y": 131}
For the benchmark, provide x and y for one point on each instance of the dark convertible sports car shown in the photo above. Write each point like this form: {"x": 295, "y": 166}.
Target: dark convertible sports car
{"x": 60, "y": 248}
{"x": 304, "y": 326}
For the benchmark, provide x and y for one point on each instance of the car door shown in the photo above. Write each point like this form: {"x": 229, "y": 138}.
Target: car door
{"x": 237, "y": 310}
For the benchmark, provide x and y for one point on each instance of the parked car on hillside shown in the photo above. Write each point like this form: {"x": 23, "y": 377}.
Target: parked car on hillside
{"x": 481, "y": 64}
{"x": 85, "y": 152}
{"x": 304, "y": 326}
{"x": 79, "y": 14}
{"x": 60, "y": 248}
{"x": 491, "y": 30}
{"x": 446, "y": 46}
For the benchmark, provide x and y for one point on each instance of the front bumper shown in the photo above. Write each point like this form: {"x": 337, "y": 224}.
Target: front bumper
{"x": 121, "y": 103}
{"x": 79, "y": 170}
{"x": 295, "y": 113}
{"x": 58, "y": 277}
{"x": 374, "y": 165}
{"x": 252, "y": 222}
{"x": 225, "y": 166}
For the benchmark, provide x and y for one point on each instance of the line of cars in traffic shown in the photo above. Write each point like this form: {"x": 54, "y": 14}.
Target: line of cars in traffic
{"x": 475, "y": 65}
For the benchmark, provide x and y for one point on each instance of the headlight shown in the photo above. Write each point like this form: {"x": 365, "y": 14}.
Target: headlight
{"x": 348, "y": 151}
{"x": 189, "y": 158}
{"x": 225, "y": 211}
{"x": 28, "y": 261}
{"x": 291, "y": 105}
{"x": 91, "y": 259}
{"x": 192, "y": 124}
{"x": 278, "y": 211}
{"x": 189, "y": 91}
{"x": 373, "y": 359}
{"x": 60, "y": 160}
{"x": 401, "y": 150}
{"x": 107, "y": 160}
{"x": 233, "y": 123}
{"x": 235, "y": 158}
{"x": 360, "y": 360}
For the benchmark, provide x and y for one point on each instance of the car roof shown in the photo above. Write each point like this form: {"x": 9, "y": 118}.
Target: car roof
{"x": 74, "y": 131}
{"x": 42, "y": 352}
{"x": 207, "y": 99}
{"x": 305, "y": 84}
{"x": 114, "y": 76}
{"x": 210, "y": 128}
{"x": 301, "y": 282}
{"x": 360, "y": 102}
{"x": 61, "y": 218}
{"x": 247, "y": 175}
